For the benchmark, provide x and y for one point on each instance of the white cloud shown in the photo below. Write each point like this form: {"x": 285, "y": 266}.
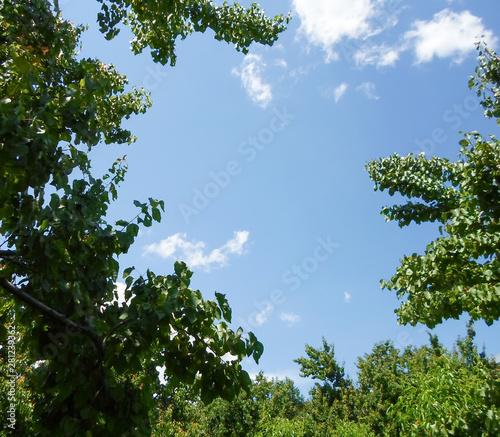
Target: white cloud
{"x": 368, "y": 89}
{"x": 380, "y": 55}
{"x": 335, "y": 93}
{"x": 347, "y": 297}
{"x": 281, "y": 63}
{"x": 193, "y": 252}
{"x": 340, "y": 91}
{"x": 263, "y": 317}
{"x": 448, "y": 34}
{"x": 120, "y": 291}
{"x": 120, "y": 288}
{"x": 250, "y": 74}
{"x": 290, "y": 318}
{"x": 346, "y": 26}
{"x": 327, "y": 23}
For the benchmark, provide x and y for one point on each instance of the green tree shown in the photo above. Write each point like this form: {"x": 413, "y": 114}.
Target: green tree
{"x": 322, "y": 365}
{"x": 379, "y": 385}
{"x": 158, "y": 24}
{"x": 452, "y": 394}
{"x": 331, "y": 403}
{"x": 89, "y": 364}
{"x": 187, "y": 415}
{"x": 269, "y": 406}
{"x": 459, "y": 271}
{"x": 278, "y": 401}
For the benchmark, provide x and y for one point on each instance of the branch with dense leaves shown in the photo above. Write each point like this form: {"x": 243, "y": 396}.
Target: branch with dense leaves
{"x": 459, "y": 271}
{"x": 53, "y": 314}
{"x": 159, "y": 26}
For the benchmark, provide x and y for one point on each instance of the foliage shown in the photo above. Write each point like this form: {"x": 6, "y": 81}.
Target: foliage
{"x": 14, "y": 384}
{"x": 158, "y": 24}
{"x": 323, "y": 366}
{"x": 487, "y": 81}
{"x": 452, "y": 394}
{"x": 269, "y": 406}
{"x": 349, "y": 428}
{"x": 88, "y": 364}
{"x": 450, "y": 399}
{"x": 424, "y": 391}
{"x": 459, "y": 271}
{"x": 276, "y": 398}
{"x": 379, "y": 383}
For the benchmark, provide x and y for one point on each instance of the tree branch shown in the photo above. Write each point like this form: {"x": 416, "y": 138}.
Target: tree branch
{"x": 44, "y": 309}
{"x": 113, "y": 330}
{"x": 56, "y": 7}
{"x": 7, "y": 253}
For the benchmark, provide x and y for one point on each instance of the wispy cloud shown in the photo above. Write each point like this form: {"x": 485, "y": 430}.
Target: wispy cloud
{"x": 250, "y": 73}
{"x": 193, "y": 252}
{"x": 339, "y": 91}
{"x": 281, "y": 63}
{"x": 263, "y": 317}
{"x": 382, "y": 55}
{"x": 347, "y": 297}
{"x": 290, "y": 318}
{"x": 120, "y": 291}
{"x": 448, "y": 34}
{"x": 368, "y": 89}
{"x": 328, "y": 23}
{"x": 335, "y": 93}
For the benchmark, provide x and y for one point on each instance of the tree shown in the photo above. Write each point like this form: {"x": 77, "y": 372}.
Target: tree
{"x": 158, "y": 24}
{"x": 379, "y": 385}
{"x": 459, "y": 271}
{"x": 269, "y": 407}
{"x": 428, "y": 391}
{"x": 323, "y": 366}
{"x": 90, "y": 364}
{"x": 421, "y": 391}
{"x": 451, "y": 394}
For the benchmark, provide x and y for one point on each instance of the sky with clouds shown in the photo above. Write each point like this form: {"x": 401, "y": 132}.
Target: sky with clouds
{"x": 260, "y": 161}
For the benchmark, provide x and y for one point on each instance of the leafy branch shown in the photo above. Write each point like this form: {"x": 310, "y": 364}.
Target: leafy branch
{"x": 50, "y": 312}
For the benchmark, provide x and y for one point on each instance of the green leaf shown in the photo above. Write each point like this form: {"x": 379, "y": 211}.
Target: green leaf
{"x": 258, "y": 351}
{"x": 224, "y": 306}
{"x": 156, "y": 215}
{"x": 128, "y": 271}
{"x": 44, "y": 225}
{"x": 133, "y": 229}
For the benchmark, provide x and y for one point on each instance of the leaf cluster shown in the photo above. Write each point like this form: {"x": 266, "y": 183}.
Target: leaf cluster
{"x": 159, "y": 24}
{"x": 418, "y": 391}
{"x": 459, "y": 271}
{"x": 90, "y": 364}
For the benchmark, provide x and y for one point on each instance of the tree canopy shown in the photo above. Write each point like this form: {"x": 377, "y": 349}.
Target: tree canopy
{"x": 322, "y": 365}
{"x": 459, "y": 271}
{"x": 158, "y": 24}
{"x": 91, "y": 363}
{"x": 419, "y": 391}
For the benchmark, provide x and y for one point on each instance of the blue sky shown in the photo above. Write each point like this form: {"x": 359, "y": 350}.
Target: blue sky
{"x": 260, "y": 161}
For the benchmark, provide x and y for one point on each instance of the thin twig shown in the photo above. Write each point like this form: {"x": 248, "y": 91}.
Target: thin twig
{"x": 113, "y": 330}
